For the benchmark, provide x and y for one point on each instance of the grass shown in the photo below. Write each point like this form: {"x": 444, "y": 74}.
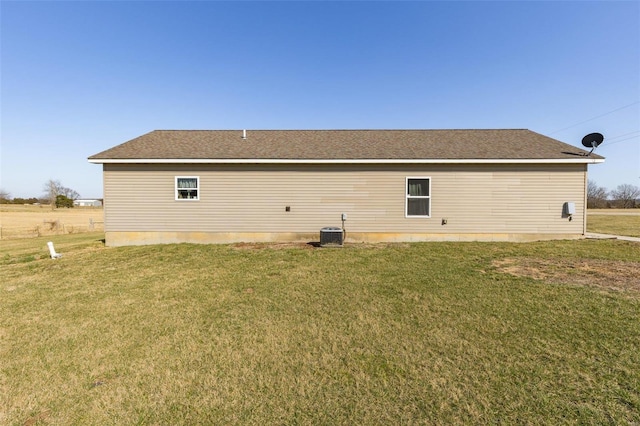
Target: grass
{"x": 428, "y": 333}
{"x": 617, "y": 225}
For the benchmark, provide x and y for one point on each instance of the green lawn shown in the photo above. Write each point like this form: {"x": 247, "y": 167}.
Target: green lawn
{"x": 617, "y": 225}
{"x": 425, "y": 333}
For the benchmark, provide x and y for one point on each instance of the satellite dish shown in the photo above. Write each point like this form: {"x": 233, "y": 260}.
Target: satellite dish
{"x": 592, "y": 140}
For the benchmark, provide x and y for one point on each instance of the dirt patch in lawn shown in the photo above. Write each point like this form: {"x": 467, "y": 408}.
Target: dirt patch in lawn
{"x": 610, "y": 275}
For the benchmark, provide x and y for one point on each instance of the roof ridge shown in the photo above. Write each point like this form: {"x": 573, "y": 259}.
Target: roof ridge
{"x": 339, "y": 130}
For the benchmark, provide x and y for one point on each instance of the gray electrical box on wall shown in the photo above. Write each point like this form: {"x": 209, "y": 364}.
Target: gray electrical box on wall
{"x": 569, "y": 208}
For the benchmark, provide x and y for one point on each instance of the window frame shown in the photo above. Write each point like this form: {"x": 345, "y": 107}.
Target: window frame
{"x": 407, "y": 197}
{"x": 176, "y": 189}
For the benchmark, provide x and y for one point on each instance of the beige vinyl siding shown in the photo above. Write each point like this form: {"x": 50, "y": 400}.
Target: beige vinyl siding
{"x": 474, "y": 199}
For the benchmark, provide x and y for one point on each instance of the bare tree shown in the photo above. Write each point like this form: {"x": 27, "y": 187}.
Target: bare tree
{"x": 5, "y": 196}
{"x": 53, "y": 188}
{"x": 626, "y": 195}
{"x": 596, "y": 195}
{"x": 70, "y": 193}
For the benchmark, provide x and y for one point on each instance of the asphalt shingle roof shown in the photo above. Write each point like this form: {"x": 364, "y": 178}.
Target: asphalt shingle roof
{"x": 518, "y": 144}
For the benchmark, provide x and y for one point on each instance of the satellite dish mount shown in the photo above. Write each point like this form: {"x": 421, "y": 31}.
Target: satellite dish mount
{"x": 592, "y": 140}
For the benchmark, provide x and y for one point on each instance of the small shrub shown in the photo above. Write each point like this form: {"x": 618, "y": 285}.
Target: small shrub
{"x": 64, "y": 201}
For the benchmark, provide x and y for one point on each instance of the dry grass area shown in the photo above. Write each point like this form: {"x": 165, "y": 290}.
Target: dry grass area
{"x": 28, "y": 221}
{"x": 609, "y": 275}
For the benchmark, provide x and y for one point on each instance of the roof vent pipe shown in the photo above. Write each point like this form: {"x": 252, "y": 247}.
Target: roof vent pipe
{"x": 244, "y": 134}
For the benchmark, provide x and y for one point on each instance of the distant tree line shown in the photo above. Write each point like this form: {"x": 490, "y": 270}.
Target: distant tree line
{"x": 625, "y": 196}
{"x": 6, "y": 199}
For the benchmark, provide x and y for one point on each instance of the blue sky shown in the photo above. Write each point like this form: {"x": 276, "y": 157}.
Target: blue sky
{"x": 80, "y": 77}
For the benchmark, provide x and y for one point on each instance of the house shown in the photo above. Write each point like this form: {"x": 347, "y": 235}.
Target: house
{"x": 211, "y": 186}
{"x": 87, "y": 203}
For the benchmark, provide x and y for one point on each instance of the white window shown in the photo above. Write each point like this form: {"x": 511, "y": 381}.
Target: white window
{"x": 187, "y": 188}
{"x": 418, "y": 197}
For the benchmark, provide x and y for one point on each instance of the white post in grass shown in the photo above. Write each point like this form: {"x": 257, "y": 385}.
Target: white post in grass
{"x": 52, "y": 251}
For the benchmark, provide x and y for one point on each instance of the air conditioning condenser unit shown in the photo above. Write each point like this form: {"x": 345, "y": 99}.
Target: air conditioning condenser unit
{"x": 331, "y": 236}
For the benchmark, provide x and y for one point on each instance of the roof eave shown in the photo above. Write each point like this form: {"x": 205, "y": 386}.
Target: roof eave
{"x": 581, "y": 160}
